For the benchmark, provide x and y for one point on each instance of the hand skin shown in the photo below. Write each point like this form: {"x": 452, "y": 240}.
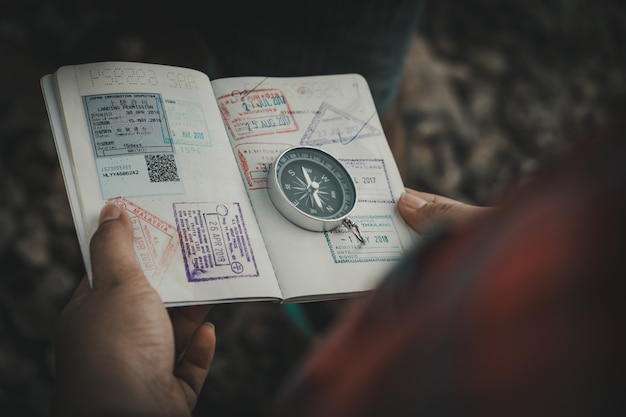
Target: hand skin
{"x": 117, "y": 345}
{"x": 420, "y": 210}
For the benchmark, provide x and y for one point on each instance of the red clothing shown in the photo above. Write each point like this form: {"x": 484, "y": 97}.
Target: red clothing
{"x": 518, "y": 314}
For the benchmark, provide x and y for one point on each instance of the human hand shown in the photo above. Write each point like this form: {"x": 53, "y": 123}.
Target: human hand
{"x": 421, "y": 209}
{"x": 117, "y": 345}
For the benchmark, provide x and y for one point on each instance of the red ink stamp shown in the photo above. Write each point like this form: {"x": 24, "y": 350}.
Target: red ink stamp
{"x": 255, "y": 159}
{"x": 259, "y": 112}
{"x": 154, "y": 239}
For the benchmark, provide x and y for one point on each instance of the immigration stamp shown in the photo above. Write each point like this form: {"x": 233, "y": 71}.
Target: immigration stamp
{"x": 214, "y": 241}
{"x": 127, "y": 123}
{"x": 333, "y": 125}
{"x": 155, "y": 240}
{"x": 132, "y": 144}
{"x": 187, "y": 123}
{"x": 255, "y": 160}
{"x": 259, "y": 112}
{"x": 382, "y": 241}
{"x": 371, "y": 179}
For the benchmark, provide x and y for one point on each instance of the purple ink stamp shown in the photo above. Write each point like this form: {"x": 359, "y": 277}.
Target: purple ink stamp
{"x": 334, "y": 125}
{"x": 214, "y": 241}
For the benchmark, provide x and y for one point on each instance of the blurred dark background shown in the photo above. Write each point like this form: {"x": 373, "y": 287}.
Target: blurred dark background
{"x": 489, "y": 93}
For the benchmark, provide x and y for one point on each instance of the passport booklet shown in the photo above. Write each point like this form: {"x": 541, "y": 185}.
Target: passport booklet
{"x": 188, "y": 158}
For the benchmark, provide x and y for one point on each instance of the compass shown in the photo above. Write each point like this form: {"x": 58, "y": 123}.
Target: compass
{"x": 312, "y": 189}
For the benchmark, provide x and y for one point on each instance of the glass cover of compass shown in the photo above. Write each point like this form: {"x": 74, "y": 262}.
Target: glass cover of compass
{"x": 311, "y": 188}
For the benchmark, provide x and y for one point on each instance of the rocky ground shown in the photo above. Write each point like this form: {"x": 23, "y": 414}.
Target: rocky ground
{"x": 489, "y": 91}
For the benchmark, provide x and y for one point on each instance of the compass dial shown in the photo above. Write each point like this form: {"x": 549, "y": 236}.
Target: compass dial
{"x": 311, "y": 188}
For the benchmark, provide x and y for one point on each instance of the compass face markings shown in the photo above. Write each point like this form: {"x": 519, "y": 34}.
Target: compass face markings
{"x": 315, "y": 183}
{"x": 320, "y": 196}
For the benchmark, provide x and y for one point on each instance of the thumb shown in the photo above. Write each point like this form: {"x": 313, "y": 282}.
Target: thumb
{"x": 421, "y": 209}
{"x": 113, "y": 257}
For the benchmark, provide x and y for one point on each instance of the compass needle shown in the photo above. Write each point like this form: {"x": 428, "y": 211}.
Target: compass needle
{"x": 306, "y": 176}
{"x": 317, "y": 199}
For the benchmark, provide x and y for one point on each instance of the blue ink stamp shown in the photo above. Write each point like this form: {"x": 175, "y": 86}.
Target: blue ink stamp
{"x": 371, "y": 179}
{"x": 383, "y": 243}
{"x": 214, "y": 241}
{"x": 127, "y": 123}
{"x": 187, "y": 123}
{"x": 132, "y": 144}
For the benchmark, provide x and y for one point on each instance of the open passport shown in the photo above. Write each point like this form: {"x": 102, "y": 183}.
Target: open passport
{"x": 188, "y": 159}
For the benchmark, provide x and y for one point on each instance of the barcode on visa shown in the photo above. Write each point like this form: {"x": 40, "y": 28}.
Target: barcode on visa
{"x": 162, "y": 168}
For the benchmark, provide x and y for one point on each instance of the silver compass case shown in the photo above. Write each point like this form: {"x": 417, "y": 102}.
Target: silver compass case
{"x": 311, "y": 188}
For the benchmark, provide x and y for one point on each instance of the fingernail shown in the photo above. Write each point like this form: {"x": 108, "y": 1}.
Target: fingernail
{"x": 412, "y": 200}
{"x": 110, "y": 211}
